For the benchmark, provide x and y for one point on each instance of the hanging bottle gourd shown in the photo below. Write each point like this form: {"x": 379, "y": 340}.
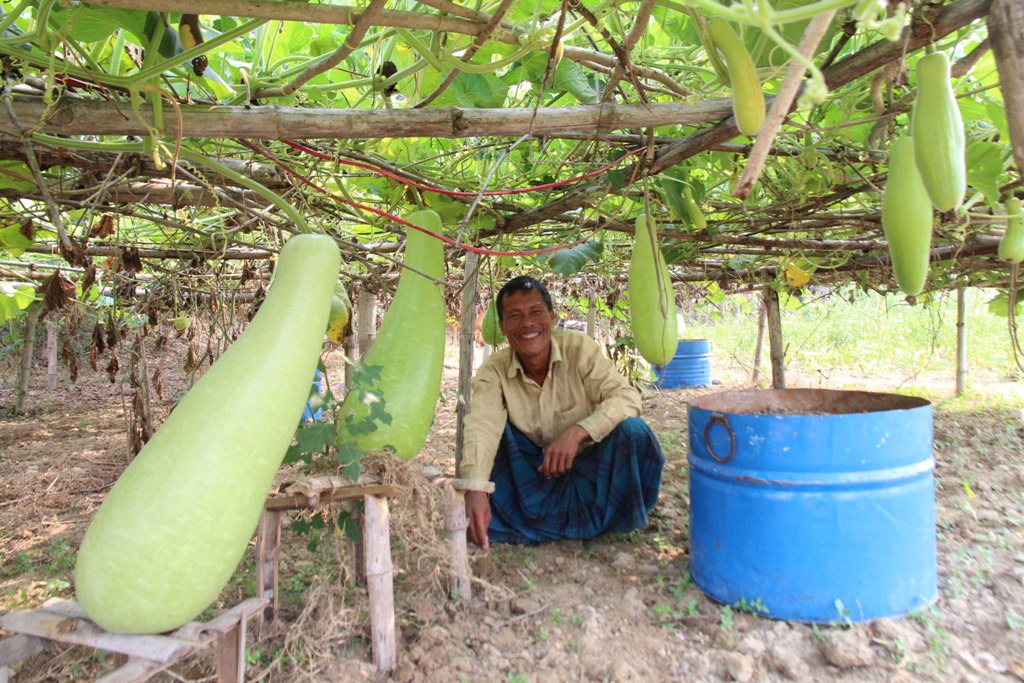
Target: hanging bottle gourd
{"x": 408, "y": 353}
{"x": 652, "y": 303}
{"x": 173, "y": 528}
{"x": 907, "y": 218}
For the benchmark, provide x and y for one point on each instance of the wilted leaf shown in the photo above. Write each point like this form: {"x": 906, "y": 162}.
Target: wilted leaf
{"x": 113, "y": 367}
{"x": 57, "y": 292}
{"x": 103, "y": 227}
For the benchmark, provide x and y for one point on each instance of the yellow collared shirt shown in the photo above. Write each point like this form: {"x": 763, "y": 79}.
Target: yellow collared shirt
{"x": 582, "y": 387}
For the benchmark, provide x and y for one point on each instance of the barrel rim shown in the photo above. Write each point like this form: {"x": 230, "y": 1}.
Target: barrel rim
{"x": 805, "y": 402}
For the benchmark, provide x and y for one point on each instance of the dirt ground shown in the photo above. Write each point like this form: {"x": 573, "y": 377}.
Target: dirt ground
{"x": 619, "y": 608}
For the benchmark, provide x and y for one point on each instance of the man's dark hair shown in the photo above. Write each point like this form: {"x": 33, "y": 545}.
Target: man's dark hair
{"x": 523, "y": 283}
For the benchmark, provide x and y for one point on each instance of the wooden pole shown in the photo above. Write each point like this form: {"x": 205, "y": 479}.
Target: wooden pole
{"x": 778, "y": 353}
{"x": 467, "y": 315}
{"x": 592, "y": 314}
{"x": 25, "y": 370}
{"x": 460, "y": 586}
{"x": 961, "y": 342}
{"x": 379, "y": 581}
{"x": 755, "y": 377}
{"x": 52, "y": 339}
{"x": 268, "y": 558}
{"x": 366, "y": 320}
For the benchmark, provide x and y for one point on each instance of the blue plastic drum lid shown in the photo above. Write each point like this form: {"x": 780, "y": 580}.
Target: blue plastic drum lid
{"x": 813, "y": 505}
{"x": 690, "y": 367}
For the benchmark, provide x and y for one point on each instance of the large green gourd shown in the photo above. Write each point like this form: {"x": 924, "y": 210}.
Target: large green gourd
{"x": 907, "y": 218}
{"x": 490, "y": 329}
{"x": 409, "y": 352}
{"x": 173, "y": 528}
{"x": 1011, "y": 245}
{"x": 937, "y": 126}
{"x": 652, "y": 302}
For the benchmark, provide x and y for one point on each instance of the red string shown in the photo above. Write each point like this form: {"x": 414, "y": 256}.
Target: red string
{"x": 384, "y": 214}
{"x": 457, "y": 193}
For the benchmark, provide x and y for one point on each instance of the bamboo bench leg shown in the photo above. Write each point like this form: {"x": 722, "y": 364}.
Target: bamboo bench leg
{"x": 460, "y": 585}
{"x": 379, "y": 581}
{"x": 231, "y": 653}
{"x": 268, "y": 556}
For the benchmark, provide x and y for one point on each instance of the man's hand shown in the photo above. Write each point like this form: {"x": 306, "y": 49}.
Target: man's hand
{"x": 559, "y": 455}
{"x": 478, "y": 514}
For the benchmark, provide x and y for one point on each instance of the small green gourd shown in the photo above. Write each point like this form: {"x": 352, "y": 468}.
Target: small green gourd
{"x": 1011, "y": 245}
{"x": 652, "y": 302}
{"x": 938, "y": 128}
{"x": 747, "y": 96}
{"x": 490, "y": 329}
{"x": 907, "y": 218}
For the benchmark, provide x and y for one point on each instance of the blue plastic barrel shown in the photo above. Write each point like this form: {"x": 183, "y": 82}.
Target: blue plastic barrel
{"x": 813, "y": 505}
{"x": 308, "y": 413}
{"x": 690, "y": 367}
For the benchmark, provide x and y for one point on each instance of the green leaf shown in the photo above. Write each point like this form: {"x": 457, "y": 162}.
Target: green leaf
{"x": 984, "y": 166}
{"x": 1001, "y": 305}
{"x": 13, "y": 240}
{"x": 14, "y": 298}
{"x": 573, "y": 78}
{"x": 349, "y": 526}
{"x": 478, "y": 90}
{"x": 572, "y": 260}
{"x": 16, "y": 175}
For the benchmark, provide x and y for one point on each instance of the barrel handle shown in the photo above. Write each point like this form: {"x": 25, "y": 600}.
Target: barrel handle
{"x": 723, "y": 420}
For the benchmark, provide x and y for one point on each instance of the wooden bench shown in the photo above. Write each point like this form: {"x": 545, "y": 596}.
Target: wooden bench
{"x": 140, "y": 657}
{"x": 376, "y": 565}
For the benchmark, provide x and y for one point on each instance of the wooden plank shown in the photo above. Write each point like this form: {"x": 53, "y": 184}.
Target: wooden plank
{"x": 76, "y": 631}
{"x": 463, "y": 484}
{"x": 225, "y": 621}
{"x": 20, "y": 647}
{"x": 379, "y": 582}
{"x": 299, "y": 501}
{"x": 134, "y": 670}
{"x": 268, "y": 558}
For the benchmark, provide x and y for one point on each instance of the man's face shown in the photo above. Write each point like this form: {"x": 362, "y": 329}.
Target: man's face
{"x": 526, "y": 323}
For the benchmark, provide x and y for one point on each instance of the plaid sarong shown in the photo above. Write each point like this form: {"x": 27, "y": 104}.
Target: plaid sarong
{"x": 612, "y": 486}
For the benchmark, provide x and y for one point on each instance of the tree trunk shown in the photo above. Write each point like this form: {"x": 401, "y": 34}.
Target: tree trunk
{"x": 31, "y": 322}
{"x": 52, "y": 342}
{"x": 778, "y": 352}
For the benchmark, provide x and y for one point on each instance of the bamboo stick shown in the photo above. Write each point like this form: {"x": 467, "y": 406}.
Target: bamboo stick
{"x": 961, "y": 341}
{"x": 275, "y": 122}
{"x": 759, "y": 346}
{"x": 471, "y": 283}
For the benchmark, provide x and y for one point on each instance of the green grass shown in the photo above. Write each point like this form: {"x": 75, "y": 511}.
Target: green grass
{"x": 867, "y": 333}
